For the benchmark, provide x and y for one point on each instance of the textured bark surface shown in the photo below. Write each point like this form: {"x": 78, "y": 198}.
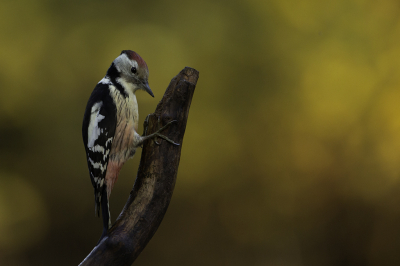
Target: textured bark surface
{"x": 155, "y": 181}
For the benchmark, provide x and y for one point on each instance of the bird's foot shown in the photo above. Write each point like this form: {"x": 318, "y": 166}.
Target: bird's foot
{"x": 157, "y": 133}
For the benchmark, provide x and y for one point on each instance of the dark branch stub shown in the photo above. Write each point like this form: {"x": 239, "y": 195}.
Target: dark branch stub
{"x": 155, "y": 181}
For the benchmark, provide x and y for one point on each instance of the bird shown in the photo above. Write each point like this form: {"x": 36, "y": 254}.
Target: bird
{"x": 110, "y": 126}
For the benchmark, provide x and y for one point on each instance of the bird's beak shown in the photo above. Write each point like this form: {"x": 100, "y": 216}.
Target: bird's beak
{"x": 145, "y": 86}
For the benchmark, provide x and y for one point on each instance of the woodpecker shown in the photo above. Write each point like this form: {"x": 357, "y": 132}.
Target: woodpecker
{"x": 110, "y": 126}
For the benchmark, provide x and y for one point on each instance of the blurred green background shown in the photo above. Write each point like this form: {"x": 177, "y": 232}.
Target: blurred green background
{"x": 292, "y": 149}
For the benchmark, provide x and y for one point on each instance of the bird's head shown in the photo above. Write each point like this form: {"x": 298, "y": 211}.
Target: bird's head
{"x": 133, "y": 70}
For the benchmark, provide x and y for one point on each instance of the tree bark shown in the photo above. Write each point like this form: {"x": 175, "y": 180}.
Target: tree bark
{"x": 155, "y": 181}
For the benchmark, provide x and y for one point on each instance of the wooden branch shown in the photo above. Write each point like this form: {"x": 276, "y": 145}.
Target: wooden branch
{"x": 155, "y": 181}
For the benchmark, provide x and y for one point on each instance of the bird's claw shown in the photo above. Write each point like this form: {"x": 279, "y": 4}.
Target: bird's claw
{"x": 157, "y": 133}
{"x": 165, "y": 138}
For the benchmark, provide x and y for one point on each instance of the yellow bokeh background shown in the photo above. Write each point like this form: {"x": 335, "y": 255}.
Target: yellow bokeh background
{"x": 291, "y": 154}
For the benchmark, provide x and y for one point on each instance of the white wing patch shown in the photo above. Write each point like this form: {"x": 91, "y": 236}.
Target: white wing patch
{"x": 106, "y": 81}
{"x": 94, "y": 130}
{"x": 97, "y": 148}
{"x": 101, "y": 149}
{"x": 98, "y": 165}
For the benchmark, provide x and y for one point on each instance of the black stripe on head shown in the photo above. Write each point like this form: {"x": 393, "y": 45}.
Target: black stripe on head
{"x": 113, "y": 74}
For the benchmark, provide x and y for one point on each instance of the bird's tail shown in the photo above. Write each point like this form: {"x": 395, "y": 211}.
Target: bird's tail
{"x": 97, "y": 200}
{"x": 101, "y": 199}
{"x": 105, "y": 210}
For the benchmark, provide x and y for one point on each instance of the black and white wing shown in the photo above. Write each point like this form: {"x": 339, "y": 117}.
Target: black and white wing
{"x": 98, "y": 131}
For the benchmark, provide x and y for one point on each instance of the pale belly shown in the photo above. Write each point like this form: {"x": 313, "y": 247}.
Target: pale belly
{"x": 123, "y": 145}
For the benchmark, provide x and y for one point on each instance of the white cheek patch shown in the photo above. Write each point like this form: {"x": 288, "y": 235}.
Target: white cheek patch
{"x": 94, "y": 130}
{"x": 128, "y": 86}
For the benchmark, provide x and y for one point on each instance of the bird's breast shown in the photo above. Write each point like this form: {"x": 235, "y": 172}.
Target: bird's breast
{"x": 127, "y": 125}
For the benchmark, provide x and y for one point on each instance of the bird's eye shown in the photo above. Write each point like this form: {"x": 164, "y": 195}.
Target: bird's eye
{"x": 133, "y": 70}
